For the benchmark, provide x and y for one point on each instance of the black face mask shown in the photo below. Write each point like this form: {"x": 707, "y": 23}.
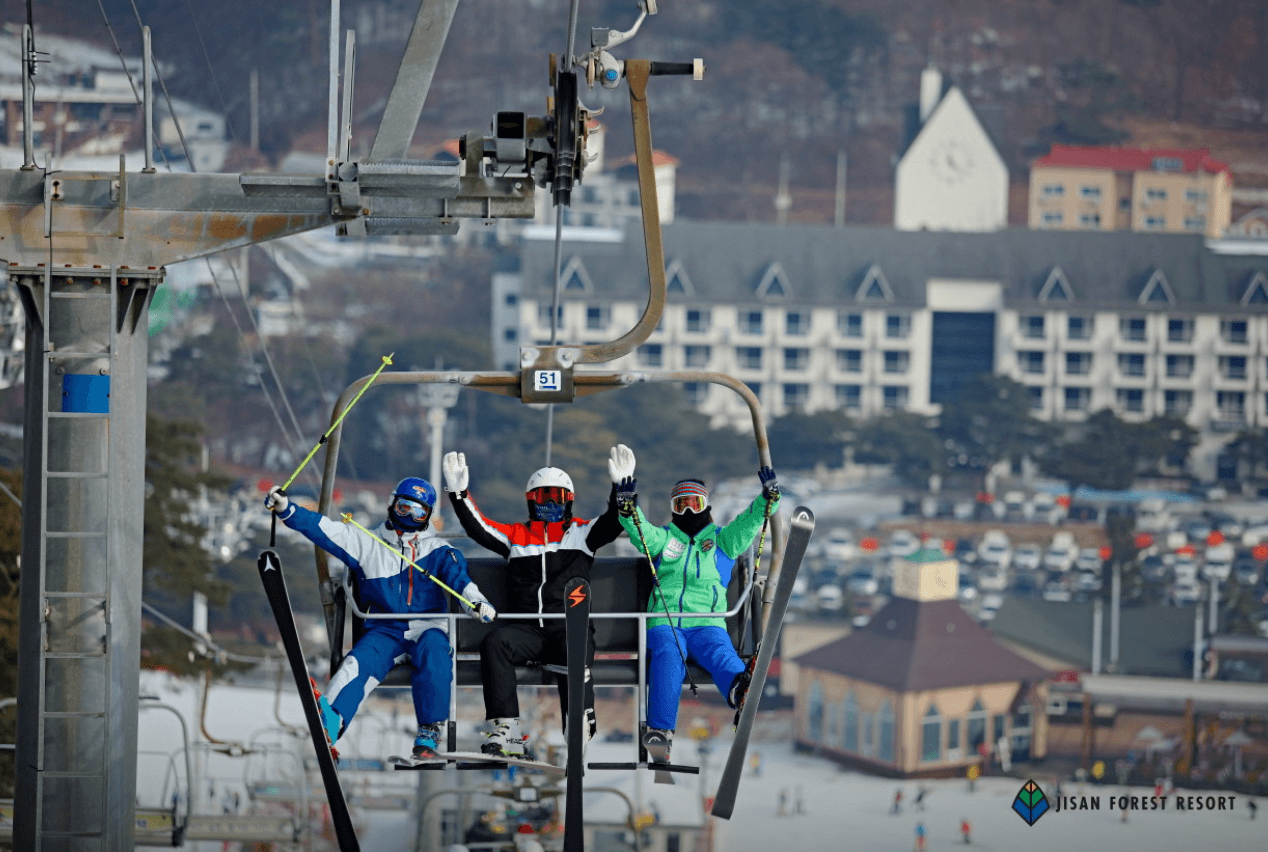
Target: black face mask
{"x": 693, "y": 522}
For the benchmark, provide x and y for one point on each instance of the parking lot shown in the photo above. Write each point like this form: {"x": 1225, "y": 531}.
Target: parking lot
{"x": 1037, "y": 544}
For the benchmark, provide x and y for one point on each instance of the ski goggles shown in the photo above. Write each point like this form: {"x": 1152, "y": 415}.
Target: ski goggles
{"x": 550, "y": 494}
{"x": 689, "y": 497}
{"x": 403, "y": 507}
{"x": 688, "y": 503}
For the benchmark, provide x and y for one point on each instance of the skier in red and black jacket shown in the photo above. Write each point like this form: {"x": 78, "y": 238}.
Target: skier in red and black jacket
{"x": 542, "y": 555}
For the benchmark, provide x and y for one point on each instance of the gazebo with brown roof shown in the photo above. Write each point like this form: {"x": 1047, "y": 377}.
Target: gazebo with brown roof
{"x": 923, "y": 689}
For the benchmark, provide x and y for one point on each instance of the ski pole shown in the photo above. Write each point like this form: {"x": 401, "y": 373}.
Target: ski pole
{"x": 387, "y": 359}
{"x": 348, "y": 519}
{"x": 638, "y": 527}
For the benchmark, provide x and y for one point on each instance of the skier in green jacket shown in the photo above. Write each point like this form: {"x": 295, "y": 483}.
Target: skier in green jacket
{"x": 692, "y": 558}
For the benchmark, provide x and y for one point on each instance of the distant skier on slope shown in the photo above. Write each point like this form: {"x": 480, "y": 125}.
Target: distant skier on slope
{"x": 692, "y": 559}
{"x": 387, "y": 583}
{"x": 542, "y": 555}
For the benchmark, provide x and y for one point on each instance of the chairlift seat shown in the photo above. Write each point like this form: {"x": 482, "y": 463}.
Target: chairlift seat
{"x": 617, "y": 585}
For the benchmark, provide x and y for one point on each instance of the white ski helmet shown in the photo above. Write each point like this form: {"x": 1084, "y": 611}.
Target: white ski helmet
{"x": 549, "y": 496}
{"x": 549, "y": 477}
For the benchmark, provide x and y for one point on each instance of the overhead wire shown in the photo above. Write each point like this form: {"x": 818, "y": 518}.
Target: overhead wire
{"x": 206, "y": 640}
{"x": 298, "y": 438}
{"x": 215, "y": 84}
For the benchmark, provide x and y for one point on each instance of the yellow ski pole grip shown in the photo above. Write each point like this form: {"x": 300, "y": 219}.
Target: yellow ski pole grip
{"x": 347, "y": 517}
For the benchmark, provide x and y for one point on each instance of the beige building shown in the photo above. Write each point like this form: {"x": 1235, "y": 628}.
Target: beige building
{"x": 923, "y": 689}
{"x": 1088, "y": 188}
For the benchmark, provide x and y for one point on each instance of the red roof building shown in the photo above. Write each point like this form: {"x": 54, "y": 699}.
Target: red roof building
{"x": 1171, "y": 190}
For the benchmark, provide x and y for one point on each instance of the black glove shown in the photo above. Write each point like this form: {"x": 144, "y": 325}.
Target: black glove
{"x": 626, "y": 496}
{"x": 770, "y": 485}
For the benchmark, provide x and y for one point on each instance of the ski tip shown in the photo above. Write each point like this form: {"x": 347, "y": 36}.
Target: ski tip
{"x": 802, "y": 516}
{"x": 269, "y": 560}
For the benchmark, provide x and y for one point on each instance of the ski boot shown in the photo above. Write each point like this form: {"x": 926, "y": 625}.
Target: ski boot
{"x": 426, "y": 743}
{"x": 331, "y": 722}
{"x": 505, "y": 740}
{"x": 658, "y": 741}
{"x": 738, "y": 692}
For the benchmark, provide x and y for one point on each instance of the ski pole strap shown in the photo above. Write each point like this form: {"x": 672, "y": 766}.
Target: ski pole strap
{"x": 387, "y": 359}
{"x": 348, "y": 519}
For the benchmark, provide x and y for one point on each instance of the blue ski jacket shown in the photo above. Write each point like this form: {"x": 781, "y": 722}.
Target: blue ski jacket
{"x": 385, "y": 581}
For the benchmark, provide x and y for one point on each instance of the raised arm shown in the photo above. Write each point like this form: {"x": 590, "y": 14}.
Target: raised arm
{"x": 488, "y": 534}
{"x": 736, "y": 536}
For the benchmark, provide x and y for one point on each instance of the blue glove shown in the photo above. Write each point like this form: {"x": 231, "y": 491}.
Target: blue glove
{"x": 770, "y": 484}
{"x": 626, "y": 496}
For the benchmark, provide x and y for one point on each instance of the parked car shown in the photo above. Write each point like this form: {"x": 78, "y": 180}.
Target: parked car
{"x": 968, "y": 588}
{"x": 903, "y": 543}
{"x": 995, "y": 549}
{"x": 862, "y": 582}
{"x": 1087, "y": 581}
{"x": 1027, "y": 557}
{"x": 839, "y": 544}
{"x": 1057, "y": 592}
{"x": 1015, "y": 506}
{"x": 992, "y": 578}
{"x": 1027, "y": 582}
{"x": 1196, "y": 529}
{"x": 1089, "y": 559}
{"x": 1218, "y": 562}
{"x": 1152, "y": 516}
{"x": 830, "y": 599}
{"x": 1246, "y": 570}
{"x": 1061, "y": 554}
{"x": 1044, "y": 509}
{"x": 990, "y": 606}
{"x": 1153, "y": 568}
{"x": 1185, "y": 567}
{"x": 1185, "y": 591}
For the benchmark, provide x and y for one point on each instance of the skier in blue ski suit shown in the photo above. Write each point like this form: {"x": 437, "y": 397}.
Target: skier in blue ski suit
{"x": 387, "y": 583}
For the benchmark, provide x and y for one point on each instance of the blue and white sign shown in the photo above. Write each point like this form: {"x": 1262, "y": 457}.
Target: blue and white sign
{"x": 547, "y": 380}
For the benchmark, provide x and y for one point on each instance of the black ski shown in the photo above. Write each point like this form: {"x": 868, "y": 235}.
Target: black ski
{"x": 803, "y": 524}
{"x": 577, "y": 627}
{"x": 270, "y": 565}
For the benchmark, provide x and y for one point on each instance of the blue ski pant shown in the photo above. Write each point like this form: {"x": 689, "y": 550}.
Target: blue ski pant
{"x": 711, "y": 649}
{"x": 374, "y": 655}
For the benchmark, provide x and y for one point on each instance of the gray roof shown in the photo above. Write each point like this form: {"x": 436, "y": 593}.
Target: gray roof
{"x": 725, "y": 261}
{"x": 917, "y": 645}
{"x": 1153, "y": 639}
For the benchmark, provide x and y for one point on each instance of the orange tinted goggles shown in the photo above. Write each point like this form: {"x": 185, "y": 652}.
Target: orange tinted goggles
{"x": 688, "y": 503}
{"x": 550, "y": 494}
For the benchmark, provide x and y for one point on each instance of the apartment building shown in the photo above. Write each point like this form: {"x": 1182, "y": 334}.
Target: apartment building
{"x": 869, "y": 319}
{"x": 1090, "y": 188}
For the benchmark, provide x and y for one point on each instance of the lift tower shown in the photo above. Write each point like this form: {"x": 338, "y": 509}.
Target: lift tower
{"x": 86, "y": 251}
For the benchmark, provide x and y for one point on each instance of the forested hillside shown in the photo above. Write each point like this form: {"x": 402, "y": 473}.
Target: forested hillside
{"x": 795, "y": 79}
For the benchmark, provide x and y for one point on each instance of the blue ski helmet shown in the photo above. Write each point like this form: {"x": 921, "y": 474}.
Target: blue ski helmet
{"x": 411, "y": 505}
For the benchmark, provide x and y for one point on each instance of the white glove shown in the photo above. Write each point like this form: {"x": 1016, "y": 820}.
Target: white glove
{"x": 276, "y": 501}
{"x": 620, "y": 463}
{"x": 484, "y": 611}
{"x": 456, "y": 474}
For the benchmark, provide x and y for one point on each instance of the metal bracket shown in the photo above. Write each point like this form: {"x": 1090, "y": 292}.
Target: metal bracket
{"x": 546, "y": 374}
